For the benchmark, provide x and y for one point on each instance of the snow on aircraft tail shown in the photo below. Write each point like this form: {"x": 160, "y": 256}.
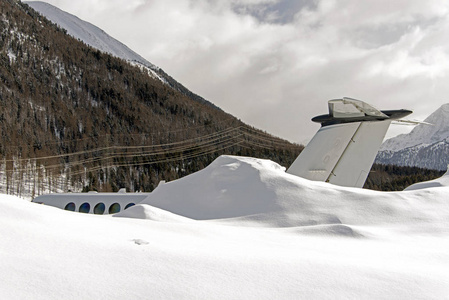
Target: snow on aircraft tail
{"x": 344, "y": 148}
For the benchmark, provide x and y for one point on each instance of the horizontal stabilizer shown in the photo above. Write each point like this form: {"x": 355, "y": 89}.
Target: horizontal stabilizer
{"x": 347, "y": 107}
{"x": 412, "y": 122}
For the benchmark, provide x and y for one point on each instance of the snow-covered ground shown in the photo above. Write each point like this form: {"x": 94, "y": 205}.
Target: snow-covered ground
{"x": 240, "y": 229}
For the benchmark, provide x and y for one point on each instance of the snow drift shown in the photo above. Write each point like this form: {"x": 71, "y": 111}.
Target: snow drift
{"x": 263, "y": 234}
{"x": 259, "y": 192}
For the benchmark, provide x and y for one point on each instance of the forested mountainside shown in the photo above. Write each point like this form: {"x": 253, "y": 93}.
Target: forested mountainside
{"x": 75, "y": 118}
{"x": 98, "y": 39}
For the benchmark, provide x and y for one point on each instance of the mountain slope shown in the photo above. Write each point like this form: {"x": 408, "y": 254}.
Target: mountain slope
{"x": 426, "y": 146}
{"x": 87, "y": 32}
{"x": 98, "y": 39}
{"x": 76, "y": 118}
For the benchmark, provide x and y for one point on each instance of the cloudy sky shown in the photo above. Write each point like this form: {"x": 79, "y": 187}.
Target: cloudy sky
{"x": 275, "y": 63}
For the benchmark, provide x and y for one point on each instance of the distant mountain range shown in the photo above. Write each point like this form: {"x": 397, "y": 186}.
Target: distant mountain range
{"x": 426, "y": 146}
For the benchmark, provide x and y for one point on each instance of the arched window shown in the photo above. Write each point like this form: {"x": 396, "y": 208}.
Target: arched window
{"x": 114, "y": 208}
{"x": 129, "y": 205}
{"x": 70, "y": 206}
{"x": 99, "y": 209}
{"x": 84, "y": 208}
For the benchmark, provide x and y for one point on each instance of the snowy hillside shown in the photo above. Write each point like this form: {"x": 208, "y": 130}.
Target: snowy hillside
{"x": 98, "y": 39}
{"x": 88, "y": 33}
{"x": 93, "y": 36}
{"x": 265, "y": 234}
{"x": 425, "y": 146}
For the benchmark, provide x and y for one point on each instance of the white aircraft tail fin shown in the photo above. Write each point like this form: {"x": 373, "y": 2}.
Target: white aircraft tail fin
{"x": 343, "y": 150}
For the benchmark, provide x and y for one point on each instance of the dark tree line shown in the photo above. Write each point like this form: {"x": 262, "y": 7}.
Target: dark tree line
{"x": 397, "y": 178}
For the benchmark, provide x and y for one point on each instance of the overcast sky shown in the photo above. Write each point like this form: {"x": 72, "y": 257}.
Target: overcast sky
{"x": 275, "y": 63}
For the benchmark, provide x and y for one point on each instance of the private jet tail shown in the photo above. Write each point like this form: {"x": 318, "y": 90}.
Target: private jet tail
{"x": 343, "y": 150}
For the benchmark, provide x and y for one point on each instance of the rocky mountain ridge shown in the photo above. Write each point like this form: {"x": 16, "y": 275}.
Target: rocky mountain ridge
{"x": 426, "y": 146}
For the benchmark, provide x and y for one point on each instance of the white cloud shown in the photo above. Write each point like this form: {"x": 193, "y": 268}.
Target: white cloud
{"x": 276, "y": 70}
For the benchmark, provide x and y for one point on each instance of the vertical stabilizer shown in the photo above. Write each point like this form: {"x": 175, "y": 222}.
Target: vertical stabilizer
{"x": 344, "y": 148}
{"x": 354, "y": 164}
{"x": 318, "y": 159}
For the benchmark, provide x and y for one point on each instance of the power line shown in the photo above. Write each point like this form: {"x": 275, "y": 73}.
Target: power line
{"x": 151, "y": 154}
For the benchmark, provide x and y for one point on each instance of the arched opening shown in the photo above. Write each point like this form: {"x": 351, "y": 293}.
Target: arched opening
{"x": 84, "y": 208}
{"x": 70, "y": 206}
{"x": 99, "y": 209}
{"x": 129, "y": 205}
{"x": 114, "y": 208}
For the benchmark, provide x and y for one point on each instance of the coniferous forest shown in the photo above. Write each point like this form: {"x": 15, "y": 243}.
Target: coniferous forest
{"x": 74, "y": 118}
{"x": 397, "y": 178}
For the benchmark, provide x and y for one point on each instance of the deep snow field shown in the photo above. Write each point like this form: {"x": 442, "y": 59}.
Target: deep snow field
{"x": 241, "y": 228}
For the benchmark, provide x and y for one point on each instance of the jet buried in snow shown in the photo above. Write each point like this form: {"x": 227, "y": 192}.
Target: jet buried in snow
{"x": 344, "y": 148}
{"x": 341, "y": 152}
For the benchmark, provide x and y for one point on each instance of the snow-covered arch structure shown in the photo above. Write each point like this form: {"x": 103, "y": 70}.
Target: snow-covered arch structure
{"x": 92, "y": 202}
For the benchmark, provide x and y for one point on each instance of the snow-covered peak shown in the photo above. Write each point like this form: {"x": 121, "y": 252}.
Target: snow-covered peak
{"x": 423, "y": 134}
{"x": 88, "y": 33}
